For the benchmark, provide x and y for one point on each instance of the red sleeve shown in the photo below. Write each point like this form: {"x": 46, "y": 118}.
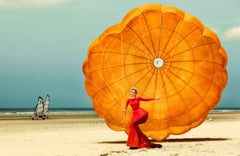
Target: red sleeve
{"x": 146, "y": 99}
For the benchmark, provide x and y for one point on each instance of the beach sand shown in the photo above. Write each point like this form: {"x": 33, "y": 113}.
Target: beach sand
{"x": 87, "y": 135}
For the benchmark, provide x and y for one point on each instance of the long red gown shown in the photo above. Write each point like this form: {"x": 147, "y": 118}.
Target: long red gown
{"x": 136, "y": 138}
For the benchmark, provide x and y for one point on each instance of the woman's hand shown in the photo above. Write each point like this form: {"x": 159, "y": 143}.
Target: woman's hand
{"x": 157, "y": 98}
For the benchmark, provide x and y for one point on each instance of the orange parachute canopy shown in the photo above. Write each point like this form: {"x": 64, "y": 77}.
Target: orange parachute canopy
{"x": 166, "y": 53}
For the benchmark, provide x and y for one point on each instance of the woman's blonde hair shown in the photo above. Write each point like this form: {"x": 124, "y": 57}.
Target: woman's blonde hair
{"x": 134, "y": 89}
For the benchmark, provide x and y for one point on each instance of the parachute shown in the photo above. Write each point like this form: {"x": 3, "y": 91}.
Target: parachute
{"x": 166, "y": 53}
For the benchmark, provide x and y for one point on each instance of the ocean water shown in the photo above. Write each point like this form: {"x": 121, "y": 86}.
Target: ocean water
{"x": 226, "y": 109}
{"x": 30, "y": 111}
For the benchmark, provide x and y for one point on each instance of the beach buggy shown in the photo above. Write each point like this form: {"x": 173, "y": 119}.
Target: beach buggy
{"x": 41, "y": 109}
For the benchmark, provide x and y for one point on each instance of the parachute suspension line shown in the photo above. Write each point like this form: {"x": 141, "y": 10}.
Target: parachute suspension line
{"x": 200, "y": 63}
{"x": 143, "y": 32}
{"x": 106, "y": 62}
{"x": 143, "y": 22}
{"x": 123, "y": 62}
{"x": 170, "y": 54}
{"x": 124, "y": 90}
{"x": 157, "y": 91}
{"x": 174, "y": 53}
{"x": 158, "y": 63}
{"x": 175, "y": 44}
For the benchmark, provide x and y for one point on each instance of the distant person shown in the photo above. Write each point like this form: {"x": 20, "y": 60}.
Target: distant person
{"x": 136, "y": 138}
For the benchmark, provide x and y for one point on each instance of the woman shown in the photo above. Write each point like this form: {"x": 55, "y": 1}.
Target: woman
{"x": 136, "y": 138}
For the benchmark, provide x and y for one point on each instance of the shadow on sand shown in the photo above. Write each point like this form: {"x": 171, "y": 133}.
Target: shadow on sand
{"x": 173, "y": 140}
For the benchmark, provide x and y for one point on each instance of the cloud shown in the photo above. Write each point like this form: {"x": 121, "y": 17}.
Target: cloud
{"x": 233, "y": 33}
{"x": 31, "y": 3}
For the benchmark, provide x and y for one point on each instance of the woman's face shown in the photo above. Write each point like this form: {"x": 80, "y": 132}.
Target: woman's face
{"x": 133, "y": 93}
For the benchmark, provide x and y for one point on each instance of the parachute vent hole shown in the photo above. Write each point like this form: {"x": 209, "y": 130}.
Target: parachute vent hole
{"x": 158, "y": 62}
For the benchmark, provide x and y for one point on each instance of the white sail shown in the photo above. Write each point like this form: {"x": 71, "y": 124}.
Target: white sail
{"x": 46, "y": 104}
{"x": 39, "y": 107}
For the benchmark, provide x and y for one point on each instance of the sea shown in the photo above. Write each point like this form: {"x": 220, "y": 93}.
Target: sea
{"x": 79, "y": 111}
{"x": 56, "y": 111}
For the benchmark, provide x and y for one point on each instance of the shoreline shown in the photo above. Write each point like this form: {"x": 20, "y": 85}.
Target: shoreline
{"x": 225, "y": 115}
{"x": 50, "y": 117}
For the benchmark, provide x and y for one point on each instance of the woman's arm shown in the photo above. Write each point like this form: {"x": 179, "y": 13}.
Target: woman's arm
{"x": 148, "y": 99}
{"x": 127, "y": 103}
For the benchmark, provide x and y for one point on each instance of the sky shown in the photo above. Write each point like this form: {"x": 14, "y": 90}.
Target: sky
{"x": 43, "y": 44}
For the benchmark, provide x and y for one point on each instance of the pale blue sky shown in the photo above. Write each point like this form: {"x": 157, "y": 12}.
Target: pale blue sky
{"x": 43, "y": 44}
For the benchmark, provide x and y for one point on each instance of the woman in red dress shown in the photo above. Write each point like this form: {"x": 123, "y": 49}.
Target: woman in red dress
{"x": 136, "y": 138}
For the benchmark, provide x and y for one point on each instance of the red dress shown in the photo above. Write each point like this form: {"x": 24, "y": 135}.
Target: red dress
{"x": 136, "y": 138}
